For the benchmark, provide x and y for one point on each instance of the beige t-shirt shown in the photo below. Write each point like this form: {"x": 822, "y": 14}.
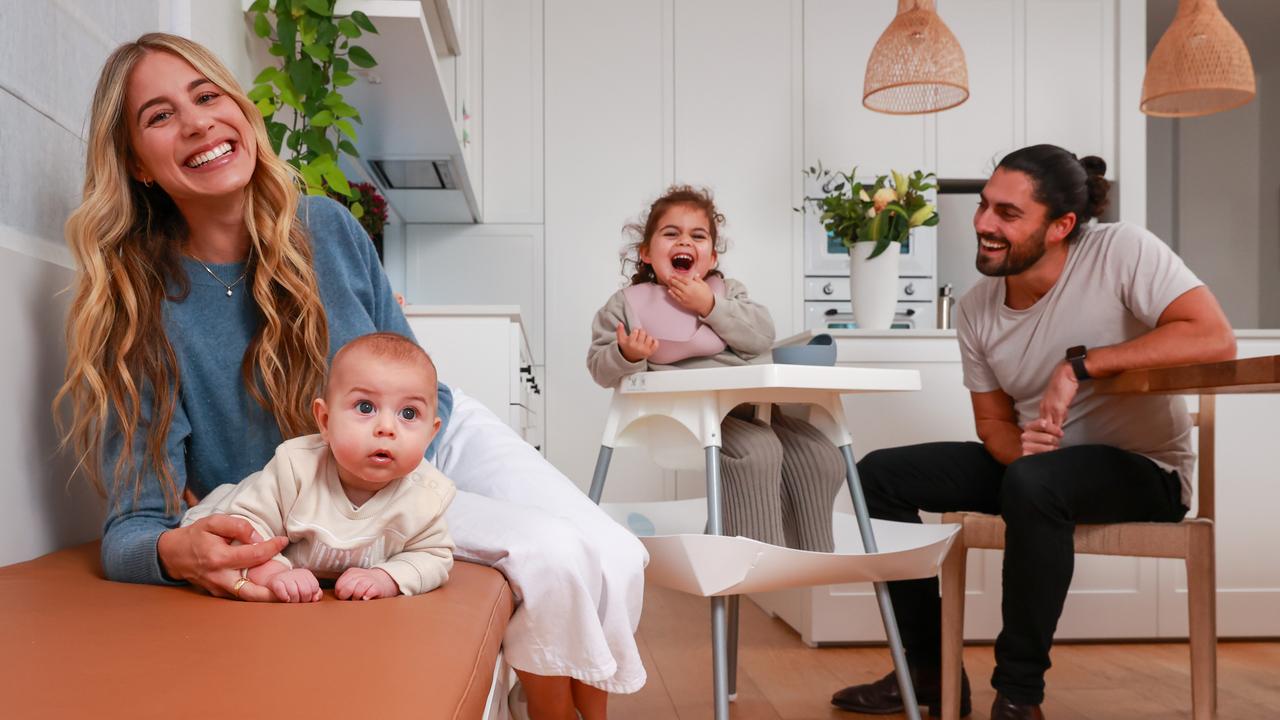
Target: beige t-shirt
{"x": 401, "y": 529}
{"x": 1118, "y": 280}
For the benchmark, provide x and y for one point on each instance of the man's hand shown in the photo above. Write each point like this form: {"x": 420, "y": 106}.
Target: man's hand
{"x": 692, "y": 294}
{"x": 296, "y": 585}
{"x": 636, "y": 345}
{"x": 1058, "y": 394}
{"x": 1039, "y": 436}
{"x": 365, "y": 584}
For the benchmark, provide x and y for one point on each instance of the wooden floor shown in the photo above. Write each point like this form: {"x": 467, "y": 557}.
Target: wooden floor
{"x": 780, "y": 678}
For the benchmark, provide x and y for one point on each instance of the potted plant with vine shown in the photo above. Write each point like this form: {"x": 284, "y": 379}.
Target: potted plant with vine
{"x": 873, "y": 220}
{"x": 301, "y": 98}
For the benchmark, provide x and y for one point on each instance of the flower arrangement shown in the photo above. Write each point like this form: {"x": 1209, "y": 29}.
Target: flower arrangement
{"x": 877, "y": 212}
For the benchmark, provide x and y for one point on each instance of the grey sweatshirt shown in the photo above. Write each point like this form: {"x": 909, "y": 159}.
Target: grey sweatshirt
{"x": 744, "y": 325}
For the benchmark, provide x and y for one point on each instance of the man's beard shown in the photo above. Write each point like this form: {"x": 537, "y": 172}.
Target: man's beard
{"x": 1017, "y": 256}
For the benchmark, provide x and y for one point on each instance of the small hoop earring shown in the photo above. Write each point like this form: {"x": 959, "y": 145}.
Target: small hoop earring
{"x": 147, "y": 182}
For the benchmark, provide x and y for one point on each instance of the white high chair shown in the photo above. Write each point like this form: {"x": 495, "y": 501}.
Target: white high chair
{"x": 667, "y": 411}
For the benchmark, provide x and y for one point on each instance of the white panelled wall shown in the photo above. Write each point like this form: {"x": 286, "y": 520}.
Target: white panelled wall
{"x": 50, "y": 55}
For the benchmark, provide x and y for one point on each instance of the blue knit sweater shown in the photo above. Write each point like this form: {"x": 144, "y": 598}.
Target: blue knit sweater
{"x": 219, "y": 434}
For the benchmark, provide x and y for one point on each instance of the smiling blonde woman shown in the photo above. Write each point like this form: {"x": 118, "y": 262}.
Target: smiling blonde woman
{"x": 210, "y": 295}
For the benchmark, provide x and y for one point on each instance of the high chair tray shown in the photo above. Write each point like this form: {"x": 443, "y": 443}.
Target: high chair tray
{"x": 683, "y": 558}
{"x": 774, "y": 376}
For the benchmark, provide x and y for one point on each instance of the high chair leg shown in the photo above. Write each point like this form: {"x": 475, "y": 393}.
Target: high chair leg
{"x": 910, "y": 706}
{"x": 597, "y": 478}
{"x": 719, "y": 619}
{"x": 733, "y": 646}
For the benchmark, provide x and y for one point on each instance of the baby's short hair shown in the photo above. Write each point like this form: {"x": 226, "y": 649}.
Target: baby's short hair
{"x": 391, "y": 346}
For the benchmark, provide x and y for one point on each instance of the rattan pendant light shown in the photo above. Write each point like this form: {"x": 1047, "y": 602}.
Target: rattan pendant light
{"x": 917, "y": 66}
{"x": 1200, "y": 66}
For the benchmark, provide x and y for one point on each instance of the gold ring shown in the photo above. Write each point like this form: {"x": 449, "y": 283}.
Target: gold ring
{"x": 239, "y": 584}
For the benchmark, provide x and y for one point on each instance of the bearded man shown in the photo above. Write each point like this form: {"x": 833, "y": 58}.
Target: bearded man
{"x": 1065, "y": 301}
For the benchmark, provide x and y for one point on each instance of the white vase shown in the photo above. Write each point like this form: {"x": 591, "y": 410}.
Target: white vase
{"x": 873, "y": 285}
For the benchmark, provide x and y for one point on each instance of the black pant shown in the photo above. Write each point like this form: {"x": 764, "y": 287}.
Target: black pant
{"x": 1041, "y": 498}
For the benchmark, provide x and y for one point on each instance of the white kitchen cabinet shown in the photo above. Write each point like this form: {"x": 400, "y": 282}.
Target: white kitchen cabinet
{"x": 838, "y": 130}
{"x": 511, "y": 126}
{"x": 974, "y": 136}
{"x": 1110, "y": 597}
{"x": 483, "y": 351}
{"x": 1071, "y": 76}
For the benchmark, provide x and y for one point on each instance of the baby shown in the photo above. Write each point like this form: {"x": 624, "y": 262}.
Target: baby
{"x": 781, "y": 479}
{"x": 357, "y": 501}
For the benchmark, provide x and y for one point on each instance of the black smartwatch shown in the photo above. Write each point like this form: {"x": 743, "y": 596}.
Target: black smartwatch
{"x": 1075, "y": 356}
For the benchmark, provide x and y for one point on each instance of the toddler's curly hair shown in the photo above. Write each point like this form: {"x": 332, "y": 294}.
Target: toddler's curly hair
{"x": 643, "y": 229}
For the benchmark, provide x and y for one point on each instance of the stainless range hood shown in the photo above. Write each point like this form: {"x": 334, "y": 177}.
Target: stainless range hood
{"x": 410, "y": 141}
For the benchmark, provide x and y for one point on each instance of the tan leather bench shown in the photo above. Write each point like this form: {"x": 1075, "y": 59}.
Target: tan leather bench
{"x": 74, "y": 645}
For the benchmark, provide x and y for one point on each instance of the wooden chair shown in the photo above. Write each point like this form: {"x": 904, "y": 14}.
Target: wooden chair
{"x": 1191, "y": 540}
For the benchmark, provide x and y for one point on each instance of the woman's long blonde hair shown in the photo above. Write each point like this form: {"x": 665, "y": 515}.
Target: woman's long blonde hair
{"x": 126, "y": 238}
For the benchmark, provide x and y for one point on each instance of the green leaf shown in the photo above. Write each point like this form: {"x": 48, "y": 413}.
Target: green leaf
{"x": 343, "y": 110}
{"x": 363, "y": 21}
{"x": 266, "y": 76}
{"x": 348, "y": 28}
{"x": 287, "y": 34}
{"x": 346, "y": 147}
{"x": 324, "y": 118}
{"x": 276, "y": 49}
{"x": 260, "y": 6}
{"x": 881, "y": 246}
{"x": 332, "y": 99}
{"x": 361, "y": 57}
{"x": 261, "y": 27}
{"x": 357, "y": 210}
{"x": 346, "y": 128}
{"x": 340, "y": 64}
{"x": 342, "y": 79}
{"x": 267, "y": 107}
{"x": 317, "y": 51}
{"x": 260, "y": 92}
{"x": 320, "y": 7}
{"x": 276, "y": 131}
{"x": 338, "y": 180}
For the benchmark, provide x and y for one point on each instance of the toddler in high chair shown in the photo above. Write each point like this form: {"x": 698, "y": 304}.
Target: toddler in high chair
{"x": 357, "y": 500}
{"x": 679, "y": 312}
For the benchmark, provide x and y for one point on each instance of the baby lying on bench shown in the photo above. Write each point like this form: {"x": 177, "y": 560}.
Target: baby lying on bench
{"x": 357, "y": 500}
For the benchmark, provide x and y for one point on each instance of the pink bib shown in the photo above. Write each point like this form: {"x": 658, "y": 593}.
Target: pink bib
{"x": 680, "y": 333}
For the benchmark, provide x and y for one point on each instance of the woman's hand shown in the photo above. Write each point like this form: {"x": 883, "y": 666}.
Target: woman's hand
{"x": 202, "y": 554}
{"x": 637, "y": 345}
{"x": 365, "y": 584}
{"x": 692, "y": 294}
{"x": 1040, "y": 435}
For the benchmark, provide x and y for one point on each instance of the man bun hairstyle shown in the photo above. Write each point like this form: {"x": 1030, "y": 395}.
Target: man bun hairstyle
{"x": 1062, "y": 182}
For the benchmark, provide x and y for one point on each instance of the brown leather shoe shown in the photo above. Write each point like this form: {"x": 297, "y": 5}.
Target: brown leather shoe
{"x": 882, "y": 697}
{"x": 1005, "y": 709}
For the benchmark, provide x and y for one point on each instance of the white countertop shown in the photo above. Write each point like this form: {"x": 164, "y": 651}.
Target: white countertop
{"x": 804, "y": 337}
{"x": 508, "y": 311}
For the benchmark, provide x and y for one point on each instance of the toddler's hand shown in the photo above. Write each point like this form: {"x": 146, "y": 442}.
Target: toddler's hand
{"x": 637, "y": 345}
{"x": 296, "y": 585}
{"x": 692, "y": 293}
{"x": 365, "y": 584}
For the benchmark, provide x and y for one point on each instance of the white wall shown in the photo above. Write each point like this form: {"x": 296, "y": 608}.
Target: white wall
{"x": 50, "y": 56}
{"x": 220, "y": 26}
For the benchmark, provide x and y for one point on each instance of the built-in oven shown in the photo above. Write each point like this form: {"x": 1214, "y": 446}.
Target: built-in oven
{"x": 826, "y": 304}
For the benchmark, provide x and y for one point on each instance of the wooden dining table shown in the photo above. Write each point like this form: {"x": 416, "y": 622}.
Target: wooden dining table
{"x": 1230, "y": 377}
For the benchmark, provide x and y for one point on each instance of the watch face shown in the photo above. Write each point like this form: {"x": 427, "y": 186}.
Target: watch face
{"x": 1077, "y": 351}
